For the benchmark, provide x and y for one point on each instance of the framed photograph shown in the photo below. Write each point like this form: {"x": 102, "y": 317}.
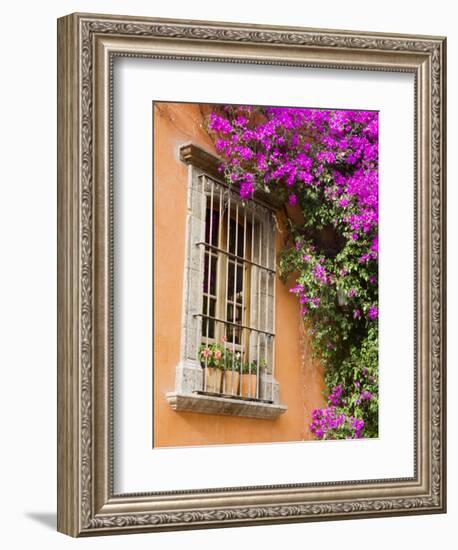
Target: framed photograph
{"x": 251, "y": 289}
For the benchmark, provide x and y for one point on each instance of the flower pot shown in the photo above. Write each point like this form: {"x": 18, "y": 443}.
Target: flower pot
{"x": 213, "y": 378}
{"x": 249, "y": 384}
{"x": 231, "y": 382}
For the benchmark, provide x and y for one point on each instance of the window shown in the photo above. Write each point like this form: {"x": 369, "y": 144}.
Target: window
{"x": 228, "y": 337}
{"x": 238, "y": 291}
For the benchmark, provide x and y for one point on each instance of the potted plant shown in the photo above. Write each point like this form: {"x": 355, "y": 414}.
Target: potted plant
{"x": 249, "y": 379}
{"x": 212, "y": 359}
{"x": 231, "y": 380}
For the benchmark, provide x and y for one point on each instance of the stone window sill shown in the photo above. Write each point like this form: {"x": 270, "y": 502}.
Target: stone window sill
{"x": 230, "y": 406}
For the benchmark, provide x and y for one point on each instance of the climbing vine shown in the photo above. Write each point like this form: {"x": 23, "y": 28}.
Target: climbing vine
{"x": 324, "y": 164}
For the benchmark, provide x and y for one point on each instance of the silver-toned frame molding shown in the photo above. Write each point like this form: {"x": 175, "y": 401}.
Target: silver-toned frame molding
{"x": 87, "y": 45}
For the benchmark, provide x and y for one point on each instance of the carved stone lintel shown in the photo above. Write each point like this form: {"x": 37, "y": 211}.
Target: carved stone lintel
{"x": 193, "y": 154}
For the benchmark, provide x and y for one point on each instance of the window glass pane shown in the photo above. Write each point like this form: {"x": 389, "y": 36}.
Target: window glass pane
{"x": 234, "y": 333}
{"x": 212, "y": 274}
{"x": 212, "y": 226}
{"x": 236, "y": 228}
{"x": 235, "y": 284}
{"x": 239, "y": 292}
{"x": 208, "y": 325}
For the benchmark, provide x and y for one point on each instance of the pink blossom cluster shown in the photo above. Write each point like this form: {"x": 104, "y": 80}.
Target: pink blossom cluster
{"x": 291, "y": 148}
{"x": 331, "y": 419}
{"x": 305, "y": 300}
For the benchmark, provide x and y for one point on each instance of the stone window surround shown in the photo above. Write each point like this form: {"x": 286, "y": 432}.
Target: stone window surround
{"x": 189, "y": 373}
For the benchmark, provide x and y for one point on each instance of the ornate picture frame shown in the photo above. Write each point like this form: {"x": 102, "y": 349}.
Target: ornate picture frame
{"x": 87, "y": 46}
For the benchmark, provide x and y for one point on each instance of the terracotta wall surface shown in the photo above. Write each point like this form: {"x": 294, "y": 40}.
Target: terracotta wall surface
{"x": 300, "y": 377}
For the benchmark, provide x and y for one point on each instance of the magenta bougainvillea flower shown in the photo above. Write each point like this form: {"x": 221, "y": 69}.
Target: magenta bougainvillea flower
{"x": 323, "y": 162}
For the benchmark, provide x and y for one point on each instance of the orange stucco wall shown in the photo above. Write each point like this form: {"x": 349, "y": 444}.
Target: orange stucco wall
{"x": 300, "y": 377}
